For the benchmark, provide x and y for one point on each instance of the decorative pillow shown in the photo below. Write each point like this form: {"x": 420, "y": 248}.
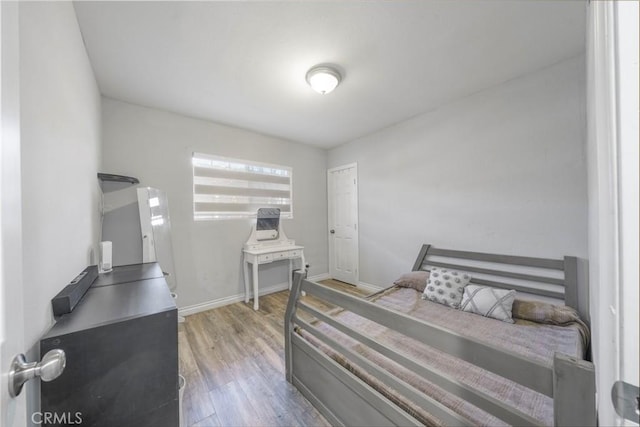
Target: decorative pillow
{"x": 542, "y": 312}
{"x": 446, "y": 286}
{"x": 415, "y": 279}
{"x": 488, "y": 302}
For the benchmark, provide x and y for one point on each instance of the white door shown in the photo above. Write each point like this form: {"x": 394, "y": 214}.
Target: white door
{"x": 612, "y": 113}
{"x": 342, "y": 184}
{"x": 12, "y": 410}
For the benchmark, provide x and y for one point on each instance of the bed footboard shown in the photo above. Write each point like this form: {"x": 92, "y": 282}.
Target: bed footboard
{"x": 340, "y": 396}
{"x": 344, "y": 399}
{"x": 574, "y": 392}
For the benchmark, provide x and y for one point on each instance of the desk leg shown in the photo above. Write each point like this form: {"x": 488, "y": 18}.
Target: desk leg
{"x": 303, "y": 267}
{"x": 255, "y": 285}
{"x": 245, "y": 266}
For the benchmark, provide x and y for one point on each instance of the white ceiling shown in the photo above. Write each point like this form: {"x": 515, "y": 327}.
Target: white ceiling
{"x": 244, "y": 63}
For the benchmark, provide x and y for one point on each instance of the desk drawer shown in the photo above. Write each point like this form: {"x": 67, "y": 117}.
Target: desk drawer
{"x": 265, "y": 258}
{"x": 275, "y": 256}
{"x": 294, "y": 253}
{"x": 281, "y": 255}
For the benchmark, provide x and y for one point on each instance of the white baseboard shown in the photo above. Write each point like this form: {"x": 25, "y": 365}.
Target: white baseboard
{"x": 369, "y": 287}
{"x": 363, "y": 285}
{"x": 319, "y": 277}
{"x": 220, "y": 302}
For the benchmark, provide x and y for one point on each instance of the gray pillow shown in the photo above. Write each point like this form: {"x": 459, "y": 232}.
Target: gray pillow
{"x": 414, "y": 279}
{"x": 543, "y": 312}
{"x": 446, "y": 286}
{"x": 489, "y": 302}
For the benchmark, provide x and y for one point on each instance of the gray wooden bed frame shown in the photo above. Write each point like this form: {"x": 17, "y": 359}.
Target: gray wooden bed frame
{"x": 344, "y": 399}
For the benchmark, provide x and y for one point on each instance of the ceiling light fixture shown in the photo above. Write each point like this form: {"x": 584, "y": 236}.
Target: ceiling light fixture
{"x": 323, "y": 78}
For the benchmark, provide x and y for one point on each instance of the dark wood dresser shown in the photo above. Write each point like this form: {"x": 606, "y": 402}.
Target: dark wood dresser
{"x": 121, "y": 344}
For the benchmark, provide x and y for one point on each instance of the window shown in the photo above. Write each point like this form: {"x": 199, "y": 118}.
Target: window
{"x": 234, "y": 188}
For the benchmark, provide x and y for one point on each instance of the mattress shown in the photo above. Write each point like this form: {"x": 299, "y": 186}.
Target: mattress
{"x": 536, "y": 341}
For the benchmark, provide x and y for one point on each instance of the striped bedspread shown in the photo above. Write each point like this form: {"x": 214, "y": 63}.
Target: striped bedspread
{"x": 534, "y": 340}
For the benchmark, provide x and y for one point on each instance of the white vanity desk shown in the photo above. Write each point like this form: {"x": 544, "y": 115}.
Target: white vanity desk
{"x": 258, "y": 252}
{"x": 265, "y": 256}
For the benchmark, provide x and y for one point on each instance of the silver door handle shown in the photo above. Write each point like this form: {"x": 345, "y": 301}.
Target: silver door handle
{"x": 626, "y": 400}
{"x": 48, "y": 369}
{"x": 332, "y": 231}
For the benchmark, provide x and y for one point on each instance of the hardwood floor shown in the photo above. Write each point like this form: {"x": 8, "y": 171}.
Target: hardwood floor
{"x": 233, "y": 361}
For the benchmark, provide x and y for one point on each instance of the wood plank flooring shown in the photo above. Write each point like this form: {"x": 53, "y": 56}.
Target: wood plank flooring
{"x": 233, "y": 361}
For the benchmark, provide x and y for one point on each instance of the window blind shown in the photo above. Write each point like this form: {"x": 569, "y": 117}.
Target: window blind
{"x": 235, "y": 188}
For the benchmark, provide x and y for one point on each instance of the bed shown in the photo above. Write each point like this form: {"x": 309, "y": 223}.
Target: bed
{"x": 397, "y": 359}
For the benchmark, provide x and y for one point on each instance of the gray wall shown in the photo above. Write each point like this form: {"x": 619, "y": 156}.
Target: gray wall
{"x": 60, "y": 141}
{"x": 60, "y": 150}
{"x": 156, "y": 147}
{"x": 503, "y": 171}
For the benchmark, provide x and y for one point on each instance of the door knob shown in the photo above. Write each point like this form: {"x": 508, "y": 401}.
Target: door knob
{"x": 48, "y": 369}
{"x": 626, "y": 400}
{"x": 332, "y": 231}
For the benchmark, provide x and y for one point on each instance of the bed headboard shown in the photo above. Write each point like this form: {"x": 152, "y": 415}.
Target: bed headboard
{"x": 552, "y": 278}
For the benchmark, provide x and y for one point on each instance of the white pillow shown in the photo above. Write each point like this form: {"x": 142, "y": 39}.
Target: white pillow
{"x": 445, "y": 286}
{"x": 488, "y": 302}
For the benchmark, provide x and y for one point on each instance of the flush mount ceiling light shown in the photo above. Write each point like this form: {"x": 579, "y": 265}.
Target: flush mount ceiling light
{"x": 323, "y": 78}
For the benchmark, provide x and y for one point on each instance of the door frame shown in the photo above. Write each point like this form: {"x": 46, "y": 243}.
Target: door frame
{"x": 610, "y": 120}
{"x": 357, "y": 218}
{"x": 627, "y": 75}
